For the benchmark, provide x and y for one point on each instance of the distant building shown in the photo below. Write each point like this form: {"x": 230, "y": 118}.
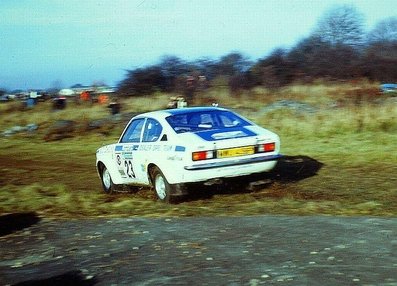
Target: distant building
{"x": 34, "y": 94}
{"x": 66, "y": 92}
{"x": 79, "y": 88}
{"x": 103, "y": 89}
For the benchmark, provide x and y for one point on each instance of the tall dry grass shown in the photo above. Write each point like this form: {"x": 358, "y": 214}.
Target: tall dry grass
{"x": 341, "y": 108}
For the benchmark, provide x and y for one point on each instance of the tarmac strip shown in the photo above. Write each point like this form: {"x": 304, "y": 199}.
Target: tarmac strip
{"x": 256, "y": 250}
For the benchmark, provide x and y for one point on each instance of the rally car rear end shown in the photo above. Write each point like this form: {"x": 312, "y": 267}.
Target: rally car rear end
{"x": 230, "y": 158}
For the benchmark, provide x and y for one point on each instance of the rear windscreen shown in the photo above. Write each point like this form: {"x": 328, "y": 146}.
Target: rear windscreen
{"x": 197, "y": 121}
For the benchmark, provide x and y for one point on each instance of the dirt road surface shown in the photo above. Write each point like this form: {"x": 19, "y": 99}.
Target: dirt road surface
{"x": 258, "y": 250}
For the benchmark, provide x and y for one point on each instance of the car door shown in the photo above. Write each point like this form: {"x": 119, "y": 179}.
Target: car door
{"x": 150, "y": 148}
{"x": 126, "y": 152}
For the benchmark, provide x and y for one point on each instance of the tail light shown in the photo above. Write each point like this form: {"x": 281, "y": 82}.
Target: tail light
{"x": 266, "y": 147}
{"x": 202, "y": 155}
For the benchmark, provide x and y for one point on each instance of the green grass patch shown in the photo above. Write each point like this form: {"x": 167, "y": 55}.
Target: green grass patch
{"x": 356, "y": 145}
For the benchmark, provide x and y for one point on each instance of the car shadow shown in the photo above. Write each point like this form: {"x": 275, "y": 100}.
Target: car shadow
{"x": 74, "y": 277}
{"x": 289, "y": 169}
{"x": 13, "y": 222}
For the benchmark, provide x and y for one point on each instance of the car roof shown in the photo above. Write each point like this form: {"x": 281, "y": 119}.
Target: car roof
{"x": 389, "y": 85}
{"x": 167, "y": 112}
{"x": 193, "y": 109}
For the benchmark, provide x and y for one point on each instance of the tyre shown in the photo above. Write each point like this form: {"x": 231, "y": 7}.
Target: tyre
{"x": 107, "y": 183}
{"x": 161, "y": 186}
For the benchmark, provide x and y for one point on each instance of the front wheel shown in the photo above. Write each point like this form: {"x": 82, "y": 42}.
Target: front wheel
{"x": 107, "y": 183}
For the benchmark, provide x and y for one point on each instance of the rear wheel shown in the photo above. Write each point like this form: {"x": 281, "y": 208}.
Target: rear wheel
{"x": 166, "y": 192}
{"x": 161, "y": 186}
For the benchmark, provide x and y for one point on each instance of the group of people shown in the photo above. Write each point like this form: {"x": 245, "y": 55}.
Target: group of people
{"x": 85, "y": 96}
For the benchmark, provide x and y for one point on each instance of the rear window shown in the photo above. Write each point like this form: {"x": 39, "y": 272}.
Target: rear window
{"x": 197, "y": 121}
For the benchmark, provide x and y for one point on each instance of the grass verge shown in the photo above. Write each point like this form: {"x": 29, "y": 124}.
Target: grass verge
{"x": 356, "y": 146}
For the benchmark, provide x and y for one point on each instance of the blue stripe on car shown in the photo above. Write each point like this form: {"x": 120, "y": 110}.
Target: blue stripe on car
{"x": 119, "y": 148}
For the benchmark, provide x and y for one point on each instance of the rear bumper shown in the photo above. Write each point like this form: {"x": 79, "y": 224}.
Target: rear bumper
{"x": 235, "y": 162}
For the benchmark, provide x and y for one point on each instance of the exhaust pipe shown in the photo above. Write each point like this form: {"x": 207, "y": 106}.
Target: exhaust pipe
{"x": 216, "y": 181}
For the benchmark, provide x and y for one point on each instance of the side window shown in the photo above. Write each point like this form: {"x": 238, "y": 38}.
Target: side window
{"x": 152, "y": 131}
{"x": 227, "y": 121}
{"x": 206, "y": 119}
{"x": 202, "y": 118}
{"x": 133, "y": 132}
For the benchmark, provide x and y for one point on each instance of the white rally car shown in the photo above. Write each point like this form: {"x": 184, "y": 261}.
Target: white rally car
{"x": 169, "y": 149}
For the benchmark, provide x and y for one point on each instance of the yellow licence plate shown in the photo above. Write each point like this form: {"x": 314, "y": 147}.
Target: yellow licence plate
{"x": 234, "y": 152}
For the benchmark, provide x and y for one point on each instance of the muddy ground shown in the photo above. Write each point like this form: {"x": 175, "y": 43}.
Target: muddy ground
{"x": 256, "y": 250}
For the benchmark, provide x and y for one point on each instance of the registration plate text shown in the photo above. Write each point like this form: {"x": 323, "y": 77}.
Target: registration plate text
{"x": 234, "y": 152}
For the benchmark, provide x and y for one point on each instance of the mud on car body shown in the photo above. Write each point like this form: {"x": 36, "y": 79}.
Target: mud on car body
{"x": 169, "y": 149}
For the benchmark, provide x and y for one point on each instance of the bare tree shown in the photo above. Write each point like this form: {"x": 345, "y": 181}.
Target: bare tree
{"x": 385, "y": 31}
{"x": 380, "y": 58}
{"x": 341, "y": 25}
{"x": 142, "y": 81}
{"x": 274, "y": 70}
{"x": 232, "y": 64}
{"x": 172, "y": 67}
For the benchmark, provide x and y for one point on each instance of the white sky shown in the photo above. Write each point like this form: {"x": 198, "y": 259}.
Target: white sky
{"x": 74, "y": 41}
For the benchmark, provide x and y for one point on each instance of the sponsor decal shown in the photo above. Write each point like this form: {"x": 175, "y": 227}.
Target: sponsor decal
{"x": 174, "y": 158}
{"x": 130, "y": 148}
{"x": 156, "y": 148}
{"x": 145, "y": 148}
{"x": 150, "y": 147}
{"x": 227, "y": 133}
{"x": 167, "y": 148}
{"x": 127, "y": 155}
{"x": 180, "y": 149}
